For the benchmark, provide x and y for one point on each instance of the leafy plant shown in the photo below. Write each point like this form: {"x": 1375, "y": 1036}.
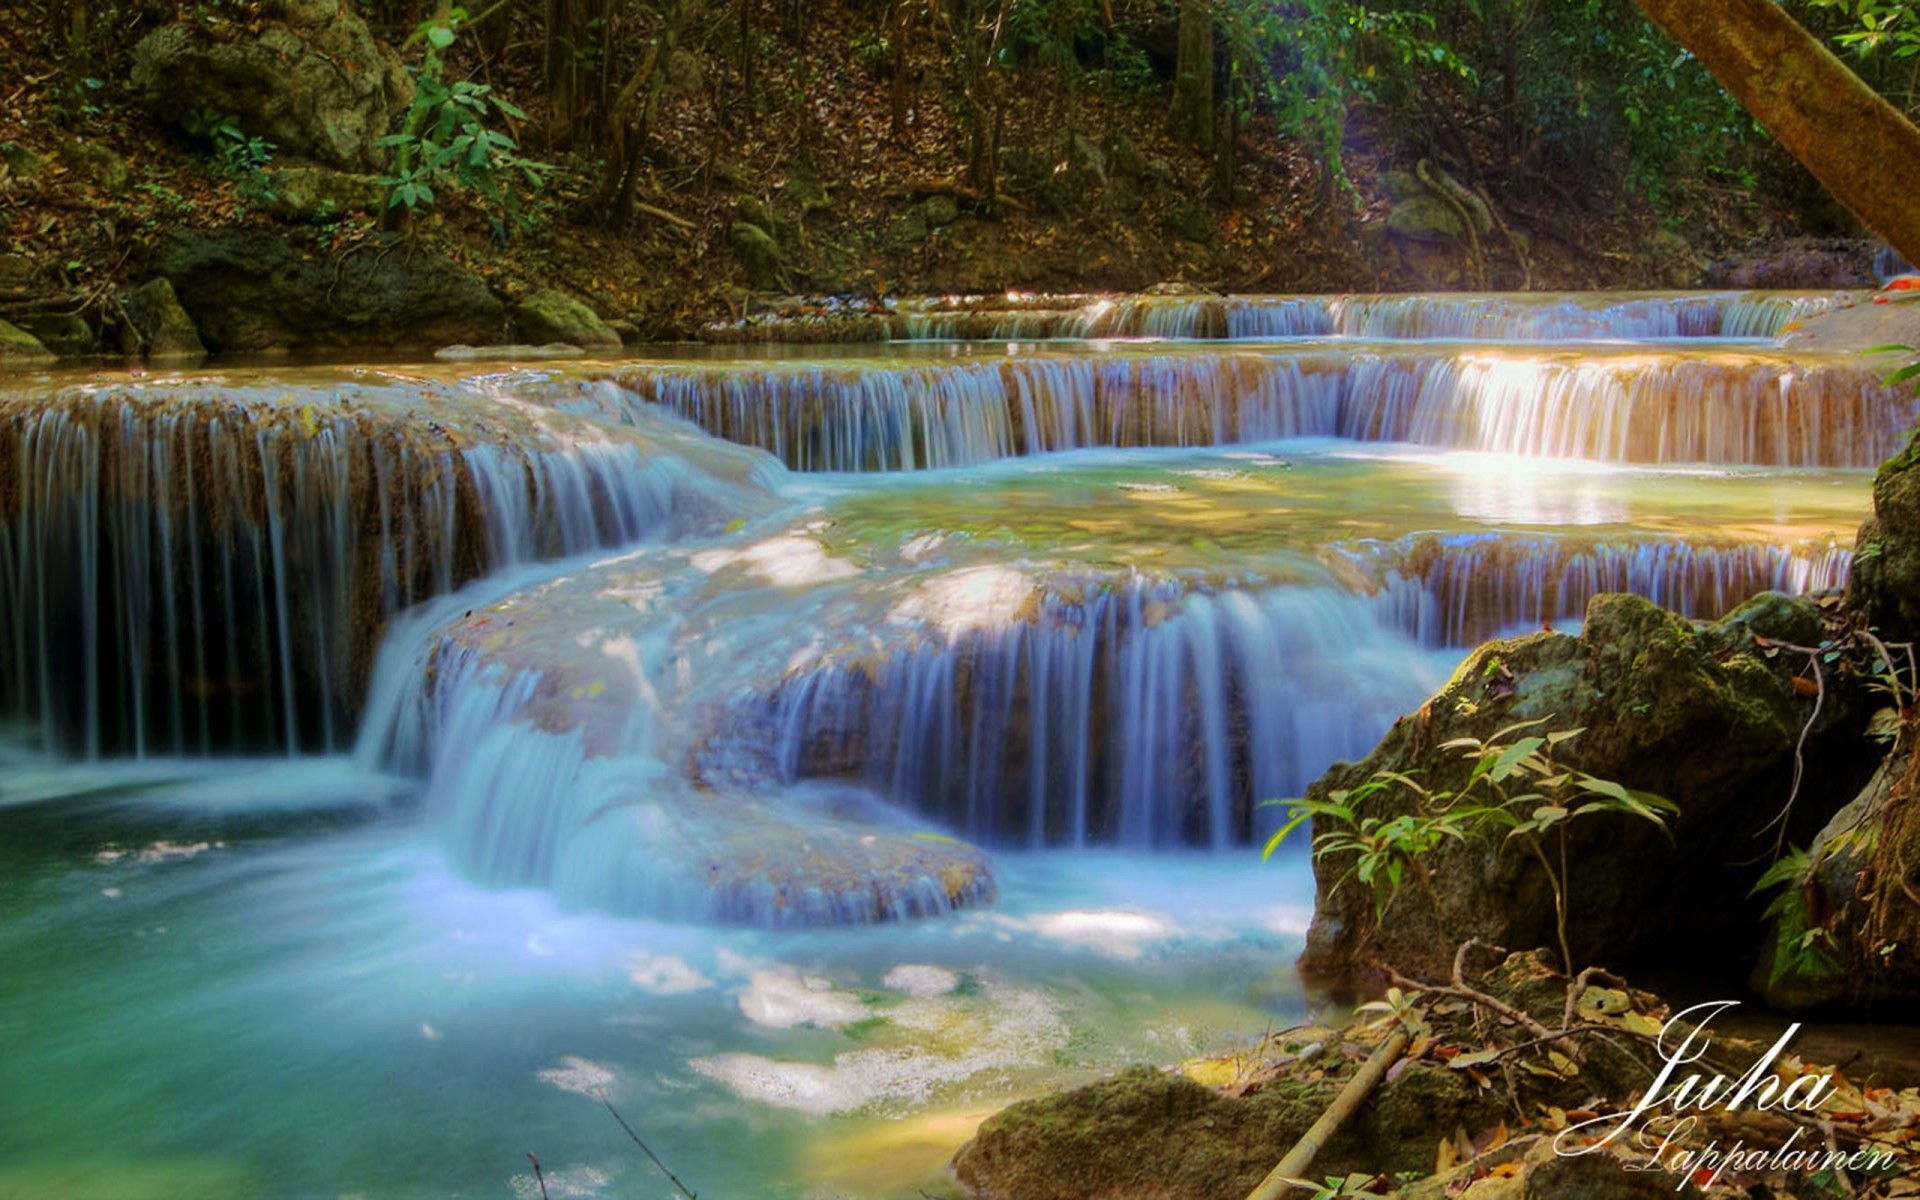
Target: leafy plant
{"x": 1515, "y": 788}
{"x": 446, "y": 137}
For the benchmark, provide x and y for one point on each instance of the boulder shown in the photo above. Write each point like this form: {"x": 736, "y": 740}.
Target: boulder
{"x": 1840, "y": 930}
{"x": 109, "y": 170}
{"x": 18, "y": 348}
{"x": 759, "y": 256}
{"x": 249, "y": 290}
{"x": 65, "y": 334}
{"x": 165, "y": 329}
{"x": 1426, "y": 218}
{"x": 1884, "y": 589}
{"x": 1706, "y": 715}
{"x": 317, "y": 194}
{"x": 312, "y": 79}
{"x": 551, "y": 315}
{"x": 1798, "y": 263}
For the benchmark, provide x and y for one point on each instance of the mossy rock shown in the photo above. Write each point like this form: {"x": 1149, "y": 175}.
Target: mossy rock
{"x": 18, "y": 348}
{"x": 553, "y": 316}
{"x": 1706, "y": 715}
{"x": 1884, "y": 590}
{"x": 65, "y": 334}
{"x": 317, "y": 194}
{"x": 1427, "y": 218}
{"x": 165, "y": 329}
{"x": 759, "y": 256}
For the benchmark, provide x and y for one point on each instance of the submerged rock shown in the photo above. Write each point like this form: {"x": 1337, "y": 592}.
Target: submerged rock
{"x": 1706, "y": 715}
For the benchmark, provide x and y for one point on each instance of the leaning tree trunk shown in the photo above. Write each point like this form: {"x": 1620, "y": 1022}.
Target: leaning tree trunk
{"x": 1855, "y": 143}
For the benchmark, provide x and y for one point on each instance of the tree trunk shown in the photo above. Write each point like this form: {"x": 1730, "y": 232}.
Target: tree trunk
{"x": 1855, "y": 143}
{"x": 1193, "y": 76}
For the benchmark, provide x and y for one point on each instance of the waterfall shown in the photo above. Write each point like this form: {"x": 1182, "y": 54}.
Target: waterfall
{"x": 1507, "y": 317}
{"x": 194, "y": 570}
{"x": 1642, "y": 407}
{"x": 1136, "y": 713}
{"x": 583, "y": 797}
{"x": 1459, "y": 590}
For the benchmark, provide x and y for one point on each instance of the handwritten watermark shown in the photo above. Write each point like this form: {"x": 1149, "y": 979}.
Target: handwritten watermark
{"x": 1664, "y": 1118}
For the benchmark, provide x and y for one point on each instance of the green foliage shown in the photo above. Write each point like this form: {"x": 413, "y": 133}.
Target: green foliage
{"x": 1515, "y": 789}
{"x": 446, "y": 138}
{"x": 1802, "y": 948}
{"x": 1878, "y": 26}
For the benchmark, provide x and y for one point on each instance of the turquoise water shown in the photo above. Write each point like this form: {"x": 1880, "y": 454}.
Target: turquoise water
{"x": 265, "y": 982}
{"x": 286, "y": 976}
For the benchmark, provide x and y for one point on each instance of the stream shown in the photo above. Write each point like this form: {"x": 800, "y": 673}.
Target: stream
{"x": 805, "y": 750}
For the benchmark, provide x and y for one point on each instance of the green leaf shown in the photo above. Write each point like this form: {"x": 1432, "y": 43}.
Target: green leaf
{"x": 440, "y": 36}
{"x": 1504, "y": 765}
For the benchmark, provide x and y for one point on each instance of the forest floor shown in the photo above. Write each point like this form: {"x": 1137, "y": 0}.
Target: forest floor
{"x": 1095, "y": 194}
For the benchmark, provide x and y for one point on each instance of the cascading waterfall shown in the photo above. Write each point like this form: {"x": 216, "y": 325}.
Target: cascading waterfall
{"x": 1630, "y": 409}
{"x": 1517, "y": 317}
{"x": 586, "y": 800}
{"x": 208, "y": 571}
{"x": 1461, "y": 589}
{"x": 1137, "y": 714}
{"x": 1645, "y": 407}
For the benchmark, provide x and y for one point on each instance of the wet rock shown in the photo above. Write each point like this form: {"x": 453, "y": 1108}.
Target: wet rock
{"x": 552, "y": 351}
{"x": 553, "y": 316}
{"x": 317, "y": 194}
{"x": 258, "y": 291}
{"x": 1699, "y": 713}
{"x": 164, "y": 328}
{"x": 313, "y": 80}
{"x": 18, "y": 348}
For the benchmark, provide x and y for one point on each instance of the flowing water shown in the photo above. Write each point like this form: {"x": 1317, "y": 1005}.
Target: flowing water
{"x": 396, "y": 761}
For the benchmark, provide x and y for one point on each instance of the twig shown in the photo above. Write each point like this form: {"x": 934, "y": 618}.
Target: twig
{"x": 654, "y": 1158}
{"x": 539, "y": 1176}
{"x": 1286, "y": 1175}
{"x": 661, "y": 214}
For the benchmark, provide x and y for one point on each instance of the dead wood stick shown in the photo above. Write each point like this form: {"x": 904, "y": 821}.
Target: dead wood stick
{"x": 1288, "y": 1173}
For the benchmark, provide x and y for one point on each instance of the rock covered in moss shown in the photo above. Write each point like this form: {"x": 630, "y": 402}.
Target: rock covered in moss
{"x": 318, "y": 194}
{"x": 1142, "y": 1135}
{"x": 165, "y": 329}
{"x": 551, "y": 315}
{"x": 1884, "y": 590}
{"x": 1842, "y": 929}
{"x": 313, "y": 81}
{"x": 18, "y": 348}
{"x": 248, "y": 290}
{"x": 1706, "y": 715}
